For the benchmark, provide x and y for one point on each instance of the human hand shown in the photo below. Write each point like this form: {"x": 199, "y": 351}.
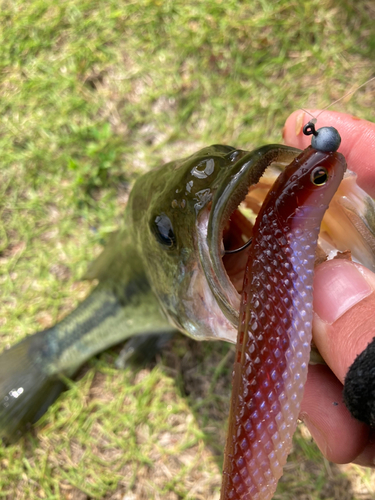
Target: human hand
{"x": 344, "y": 308}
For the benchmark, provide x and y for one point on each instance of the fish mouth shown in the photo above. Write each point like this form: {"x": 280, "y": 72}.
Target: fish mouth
{"x": 347, "y": 227}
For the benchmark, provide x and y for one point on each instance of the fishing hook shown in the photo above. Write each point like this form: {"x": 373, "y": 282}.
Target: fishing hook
{"x": 239, "y": 249}
{"x": 309, "y": 128}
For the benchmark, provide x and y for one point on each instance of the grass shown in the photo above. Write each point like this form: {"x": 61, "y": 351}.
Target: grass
{"x": 92, "y": 94}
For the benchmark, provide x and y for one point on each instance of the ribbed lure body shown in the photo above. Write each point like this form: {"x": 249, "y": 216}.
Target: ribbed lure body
{"x": 274, "y": 337}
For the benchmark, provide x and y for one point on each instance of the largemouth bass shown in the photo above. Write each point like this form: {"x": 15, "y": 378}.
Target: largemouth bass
{"x": 166, "y": 269}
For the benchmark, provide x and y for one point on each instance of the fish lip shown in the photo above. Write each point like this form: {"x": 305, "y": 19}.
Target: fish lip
{"x": 233, "y": 188}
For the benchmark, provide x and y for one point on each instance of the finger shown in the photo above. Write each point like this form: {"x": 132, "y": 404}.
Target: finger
{"x": 338, "y": 435}
{"x": 357, "y": 141}
{"x": 344, "y": 305}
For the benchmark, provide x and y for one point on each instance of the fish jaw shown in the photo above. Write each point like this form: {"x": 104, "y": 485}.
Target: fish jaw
{"x": 167, "y": 203}
{"x": 232, "y": 191}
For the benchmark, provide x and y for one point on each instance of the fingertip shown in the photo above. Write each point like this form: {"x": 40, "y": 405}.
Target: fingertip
{"x": 293, "y": 130}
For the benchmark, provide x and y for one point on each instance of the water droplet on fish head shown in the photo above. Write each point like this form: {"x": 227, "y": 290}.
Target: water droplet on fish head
{"x": 204, "y": 169}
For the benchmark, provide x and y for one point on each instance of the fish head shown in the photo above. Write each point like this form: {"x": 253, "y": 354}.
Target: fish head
{"x": 185, "y": 214}
{"x": 179, "y": 215}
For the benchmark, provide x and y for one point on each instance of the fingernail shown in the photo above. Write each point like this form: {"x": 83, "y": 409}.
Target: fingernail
{"x": 318, "y": 436}
{"x": 299, "y": 122}
{"x": 338, "y": 285}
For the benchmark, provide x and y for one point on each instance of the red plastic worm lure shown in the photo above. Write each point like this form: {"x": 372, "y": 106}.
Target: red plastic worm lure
{"x": 274, "y": 336}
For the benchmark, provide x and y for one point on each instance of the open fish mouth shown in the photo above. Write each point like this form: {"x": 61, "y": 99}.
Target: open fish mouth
{"x": 347, "y": 227}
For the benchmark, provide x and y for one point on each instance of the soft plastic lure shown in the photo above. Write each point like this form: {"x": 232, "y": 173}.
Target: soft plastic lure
{"x": 275, "y": 325}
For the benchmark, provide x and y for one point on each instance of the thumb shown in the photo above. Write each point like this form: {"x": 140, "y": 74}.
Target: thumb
{"x": 344, "y": 301}
{"x": 344, "y": 326}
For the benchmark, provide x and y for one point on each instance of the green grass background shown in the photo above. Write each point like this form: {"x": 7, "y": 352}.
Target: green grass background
{"x": 92, "y": 94}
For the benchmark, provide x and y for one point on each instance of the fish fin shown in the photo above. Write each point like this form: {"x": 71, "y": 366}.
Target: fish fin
{"x": 364, "y": 224}
{"x": 26, "y": 391}
{"x": 142, "y": 349}
{"x": 98, "y": 269}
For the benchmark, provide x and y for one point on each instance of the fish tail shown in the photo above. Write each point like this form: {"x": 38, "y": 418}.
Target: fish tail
{"x": 26, "y": 388}
{"x": 32, "y": 371}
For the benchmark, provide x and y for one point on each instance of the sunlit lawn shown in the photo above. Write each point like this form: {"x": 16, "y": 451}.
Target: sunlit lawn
{"x": 92, "y": 94}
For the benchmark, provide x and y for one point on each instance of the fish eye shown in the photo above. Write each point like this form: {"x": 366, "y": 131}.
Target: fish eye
{"x": 162, "y": 227}
{"x": 319, "y": 176}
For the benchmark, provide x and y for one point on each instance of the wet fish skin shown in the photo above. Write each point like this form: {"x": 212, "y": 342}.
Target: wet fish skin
{"x": 144, "y": 285}
{"x": 30, "y": 371}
